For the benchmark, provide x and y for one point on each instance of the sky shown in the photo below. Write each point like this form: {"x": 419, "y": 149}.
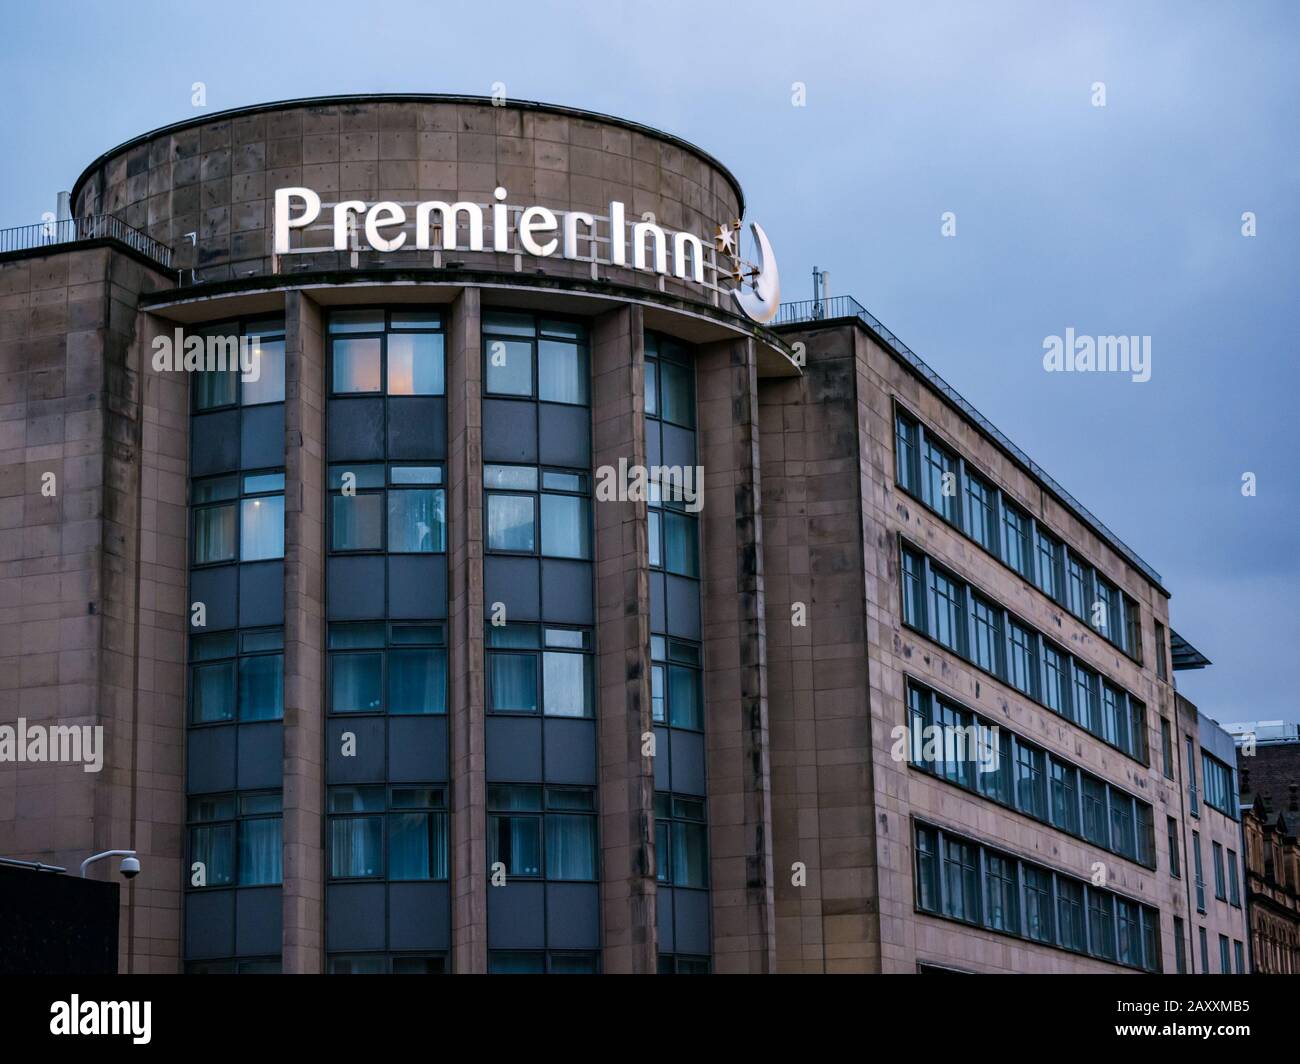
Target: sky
{"x": 854, "y": 128}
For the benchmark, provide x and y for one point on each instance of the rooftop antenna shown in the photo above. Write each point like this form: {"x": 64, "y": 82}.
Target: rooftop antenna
{"x": 821, "y": 292}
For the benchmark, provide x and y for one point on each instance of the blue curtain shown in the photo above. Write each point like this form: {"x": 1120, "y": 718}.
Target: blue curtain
{"x": 356, "y": 683}
{"x": 417, "y": 681}
{"x": 684, "y": 698}
{"x": 570, "y": 846}
{"x": 214, "y": 534}
{"x": 214, "y": 846}
{"x": 513, "y": 681}
{"x": 516, "y": 842}
{"x": 259, "y": 852}
{"x": 356, "y": 846}
{"x": 417, "y": 846}
{"x": 261, "y": 687}
{"x": 213, "y": 695}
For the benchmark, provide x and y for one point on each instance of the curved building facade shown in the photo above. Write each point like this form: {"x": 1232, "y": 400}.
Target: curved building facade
{"x": 470, "y": 572}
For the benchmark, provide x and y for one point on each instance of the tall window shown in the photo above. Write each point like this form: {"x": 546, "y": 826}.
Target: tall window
{"x": 941, "y": 483}
{"x": 1180, "y": 946}
{"x": 1220, "y": 880}
{"x": 1016, "y": 530}
{"x": 1200, "y": 874}
{"x": 1219, "y": 790}
{"x": 681, "y": 841}
{"x": 1039, "y": 923}
{"x": 1087, "y": 707}
{"x": 1069, "y": 914}
{"x": 673, "y": 532}
{"x": 675, "y": 683}
{"x": 1022, "y": 659}
{"x": 986, "y": 647}
{"x": 906, "y": 453}
{"x": 1234, "y": 880}
{"x": 1128, "y": 926}
{"x": 1225, "y": 965}
{"x": 927, "y": 869}
{"x": 237, "y": 517}
{"x": 1077, "y": 598}
{"x": 1162, "y": 660}
{"x": 946, "y": 610}
{"x": 1101, "y": 924}
{"x": 1056, "y": 683}
{"x": 532, "y": 511}
{"x": 1095, "y": 828}
{"x": 1240, "y": 955}
{"x": 1193, "y": 799}
{"x": 532, "y": 668}
{"x": 237, "y": 675}
{"x": 1166, "y": 748}
{"x": 399, "y": 828}
{"x": 669, "y": 381}
{"x": 398, "y": 351}
{"x": 400, "y": 669}
{"x": 1065, "y": 796}
{"x": 961, "y": 880}
{"x": 226, "y": 349}
{"x": 1175, "y": 866}
{"x": 1123, "y": 833}
{"x": 542, "y": 832}
{"x": 1001, "y": 893}
{"x": 982, "y": 512}
{"x": 1205, "y": 952}
{"x": 1049, "y": 572}
{"x": 913, "y": 568}
{"x": 1031, "y": 787}
{"x": 234, "y": 839}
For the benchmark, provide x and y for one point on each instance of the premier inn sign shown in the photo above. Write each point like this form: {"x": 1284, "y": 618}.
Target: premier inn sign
{"x": 435, "y": 225}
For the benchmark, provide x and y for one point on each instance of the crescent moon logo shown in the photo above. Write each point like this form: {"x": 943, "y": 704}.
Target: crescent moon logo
{"x": 765, "y": 300}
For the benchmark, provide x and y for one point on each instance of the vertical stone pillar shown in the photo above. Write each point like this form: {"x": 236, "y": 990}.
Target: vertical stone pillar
{"x": 304, "y": 636}
{"x": 465, "y": 636}
{"x": 622, "y": 665}
{"x": 735, "y": 655}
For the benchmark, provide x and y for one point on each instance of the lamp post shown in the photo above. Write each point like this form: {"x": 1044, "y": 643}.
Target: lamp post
{"x": 130, "y": 866}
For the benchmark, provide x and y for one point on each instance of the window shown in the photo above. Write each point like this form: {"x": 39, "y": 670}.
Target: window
{"x": 1065, "y": 796}
{"x": 1076, "y": 587}
{"x": 1031, "y": 790}
{"x": 532, "y": 357}
{"x": 981, "y": 512}
{"x": 542, "y": 832}
{"x": 1123, "y": 837}
{"x": 398, "y": 351}
{"x": 413, "y": 818}
{"x": 1022, "y": 658}
{"x": 1101, "y": 924}
{"x": 1048, "y": 572}
{"x": 407, "y": 500}
{"x": 1087, "y": 709}
{"x": 941, "y": 482}
{"x": 1166, "y": 749}
{"x": 1200, "y": 876}
{"x": 1132, "y": 628}
{"x": 1175, "y": 865}
{"x": 1234, "y": 880}
{"x": 1144, "y": 825}
{"x": 1219, "y": 790}
{"x": 513, "y": 502}
{"x": 1128, "y": 926}
{"x": 674, "y": 534}
{"x": 400, "y": 669}
{"x": 1205, "y": 952}
{"x": 226, "y": 349}
{"x": 1016, "y": 528}
{"x": 1095, "y": 827}
{"x": 681, "y": 841}
{"x": 1180, "y": 946}
{"x": 237, "y": 676}
{"x": 1000, "y": 893}
{"x": 913, "y": 589}
{"x": 961, "y": 880}
{"x": 668, "y": 365}
{"x": 531, "y": 667}
{"x": 675, "y": 683}
{"x": 995, "y": 769}
{"x": 946, "y": 612}
{"x": 906, "y": 453}
{"x": 1162, "y": 660}
{"x": 1193, "y": 799}
{"x": 927, "y": 869}
{"x": 1056, "y": 684}
{"x": 1151, "y": 959}
{"x": 1104, "y": 614}
{"x": 1114, "y": 717}
{"x": 1220, "y": 881}
{"x": 986, "y": 643}
{"x": 955, "y": 761}
{"x": 1069, "y": 914}
{"x": 1225, "y": 965}
{"x": 234, "y": 839}
{"x": 240, "y": 516}
{"x": 1239, "y": 955}
{"x": 536, "y": 962}
{"x": 676, "y": 964}
{"x": 382, "y": 964}
{"x": 1038, "y": 904}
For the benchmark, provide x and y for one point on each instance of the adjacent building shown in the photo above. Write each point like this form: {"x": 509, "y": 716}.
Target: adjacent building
{"x": 542, "y": 604}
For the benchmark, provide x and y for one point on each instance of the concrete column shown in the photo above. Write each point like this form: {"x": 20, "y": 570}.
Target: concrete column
{"x": 622, "y": 664}
{"x": 465, "y": 636}
{"x": 304, "y": 636}
{"x": 735, "y": 655}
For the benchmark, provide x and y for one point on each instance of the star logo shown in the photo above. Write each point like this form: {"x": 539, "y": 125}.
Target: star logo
{"x": 725, "y": 240}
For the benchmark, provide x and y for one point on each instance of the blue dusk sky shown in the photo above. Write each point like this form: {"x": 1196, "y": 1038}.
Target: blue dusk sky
{"x": 1123, "y": 219}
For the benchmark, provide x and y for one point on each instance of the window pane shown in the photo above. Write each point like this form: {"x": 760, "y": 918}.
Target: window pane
{"x": 653, "y": 526}
{"x": 213, "y": 693}
{"x": 217, "y": 388}
{"x": 684, "y": 698}
{"x": 561, "y": 372}
{"x": 356, "y": 683}
{"x": 502, "y": 321}
{"x": 510, "y": 478}
{"x": 509, "y": 367}
{"x": 357, "y": 522}
{"x": 515, "y": 841}
{"x": 657, "y": 695}
{"x": 566, "y": 685}
{"x": 680, "y": 546}
{"x": 259, "y": 852}
{"x": 214, "y": 534}
{"x": 356, "y": 365}
{"x": 262, "y": 528}
{"x": 690, "y": 855}
{"x": 214, "y": 847}
{"x": 415, "y": 364}
{"x": 356, "y": 846}
{"x": 676, "y": 400}
{"x": 261, "y": 687}
{"x": 513, "y": 682}
{"x": 510, "y": 523}
{"x": 417, "y": 681}
{"x": 565, "y": 527}
{"x": 417, "y": 846}
{"x": 651, "y": 393}
{"x": 268, "y": 357}
{"x": 570, "y": 846}
{"x": 354, "y": 321}
{"x": 417, "y": 521}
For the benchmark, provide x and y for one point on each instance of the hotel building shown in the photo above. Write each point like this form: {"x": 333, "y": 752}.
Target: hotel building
{"x": 388, "y": 684}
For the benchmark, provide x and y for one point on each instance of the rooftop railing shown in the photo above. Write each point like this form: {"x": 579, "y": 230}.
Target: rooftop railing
{"x": 91, "y": 227}
{"x": 832, "y": 307}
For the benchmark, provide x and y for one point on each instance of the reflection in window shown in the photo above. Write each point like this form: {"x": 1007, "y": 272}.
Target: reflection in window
{"x": 530, "y": 667}
{"x": 400, "y": 351}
